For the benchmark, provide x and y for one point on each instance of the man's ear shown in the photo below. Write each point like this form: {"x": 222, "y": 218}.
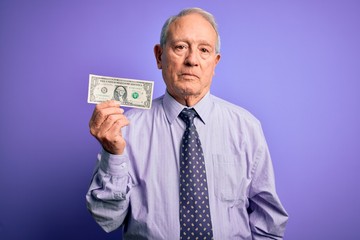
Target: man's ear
{"x": 217, "y": 59}
{"x": 158, "y": 54}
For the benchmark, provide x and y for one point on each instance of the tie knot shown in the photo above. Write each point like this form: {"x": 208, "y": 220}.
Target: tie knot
{"x": 188, "y": 115}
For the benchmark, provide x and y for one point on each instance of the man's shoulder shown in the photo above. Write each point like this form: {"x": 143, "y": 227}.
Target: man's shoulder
{"x": 227, "y": 108}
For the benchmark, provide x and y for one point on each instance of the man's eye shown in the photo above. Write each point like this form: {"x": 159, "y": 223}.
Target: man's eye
{"x": 204, "y": 50}
{"x": 180, "y": 47}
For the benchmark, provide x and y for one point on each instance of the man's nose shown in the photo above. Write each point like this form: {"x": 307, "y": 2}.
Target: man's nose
{"x": 192, "y": 58}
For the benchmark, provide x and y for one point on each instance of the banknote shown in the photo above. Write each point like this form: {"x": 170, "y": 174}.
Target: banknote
{"x": 129, "y": 92}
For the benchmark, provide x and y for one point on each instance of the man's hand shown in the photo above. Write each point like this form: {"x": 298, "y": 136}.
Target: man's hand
{"x": 105, "y": 125}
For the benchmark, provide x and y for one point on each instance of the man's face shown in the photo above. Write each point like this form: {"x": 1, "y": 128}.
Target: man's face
{"x": 188, "y": 58}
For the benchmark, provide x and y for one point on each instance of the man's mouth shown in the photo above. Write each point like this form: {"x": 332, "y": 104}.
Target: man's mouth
{"x": 189, "y": 75}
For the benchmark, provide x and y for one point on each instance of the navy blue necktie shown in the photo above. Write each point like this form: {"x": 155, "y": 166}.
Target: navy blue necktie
{"x": 195, "y": 220}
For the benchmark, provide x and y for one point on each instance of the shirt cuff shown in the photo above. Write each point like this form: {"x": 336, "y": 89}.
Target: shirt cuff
{"x": 116, "y": 165}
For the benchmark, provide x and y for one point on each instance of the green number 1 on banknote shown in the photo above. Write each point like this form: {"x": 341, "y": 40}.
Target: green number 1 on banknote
{"x": 129, "y": 92}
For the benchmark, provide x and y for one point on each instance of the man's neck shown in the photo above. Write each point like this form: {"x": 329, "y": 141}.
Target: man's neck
{"x": 188, "y": 100}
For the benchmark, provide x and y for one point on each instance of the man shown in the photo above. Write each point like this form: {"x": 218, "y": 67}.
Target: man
{"x": 193, "y": 166}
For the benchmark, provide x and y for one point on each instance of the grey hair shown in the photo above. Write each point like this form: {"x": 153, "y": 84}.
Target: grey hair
{"x": 208, "y": 16}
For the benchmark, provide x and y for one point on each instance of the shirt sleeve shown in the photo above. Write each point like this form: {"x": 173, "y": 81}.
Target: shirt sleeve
{"x": 108, "y": 195}
{"x": 268, "y": 217}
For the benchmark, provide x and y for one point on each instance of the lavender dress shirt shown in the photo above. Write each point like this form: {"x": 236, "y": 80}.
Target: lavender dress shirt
{"x": 139, "y": 190}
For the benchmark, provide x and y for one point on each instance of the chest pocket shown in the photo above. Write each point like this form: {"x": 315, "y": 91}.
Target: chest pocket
{"x": 230, "y": 177}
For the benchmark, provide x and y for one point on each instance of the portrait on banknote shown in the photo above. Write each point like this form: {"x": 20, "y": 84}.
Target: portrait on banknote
{"x": 120, "y": 94}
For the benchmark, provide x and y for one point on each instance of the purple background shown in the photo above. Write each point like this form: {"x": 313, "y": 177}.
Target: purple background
{"x": 294, "y": 64}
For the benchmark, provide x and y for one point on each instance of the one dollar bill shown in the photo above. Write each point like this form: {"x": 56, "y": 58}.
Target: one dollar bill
{"x": 129, "y": 92}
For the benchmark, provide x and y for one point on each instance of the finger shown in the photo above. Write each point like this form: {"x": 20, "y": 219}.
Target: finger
{"x": 114, "y": 132}
{"x": 103, "y": 105}
{"x": 112, "y": 124}
{"x": 112, "y": 140}
{"x": 119, "y": 124}
{"x": 106, "y": 104}
{"x": 99, "y": 116}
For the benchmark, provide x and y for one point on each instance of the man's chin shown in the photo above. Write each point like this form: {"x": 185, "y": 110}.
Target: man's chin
{"x": 188, "y": 92}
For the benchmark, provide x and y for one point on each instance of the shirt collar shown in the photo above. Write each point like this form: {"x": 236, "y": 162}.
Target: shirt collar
{"x": 173, "y": 108}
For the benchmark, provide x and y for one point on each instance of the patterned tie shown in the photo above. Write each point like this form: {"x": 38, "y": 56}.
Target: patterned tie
{"x": 195, "y": 220}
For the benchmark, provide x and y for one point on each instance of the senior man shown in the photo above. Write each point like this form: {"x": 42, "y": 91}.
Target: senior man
{"x": 193, "y": 166}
